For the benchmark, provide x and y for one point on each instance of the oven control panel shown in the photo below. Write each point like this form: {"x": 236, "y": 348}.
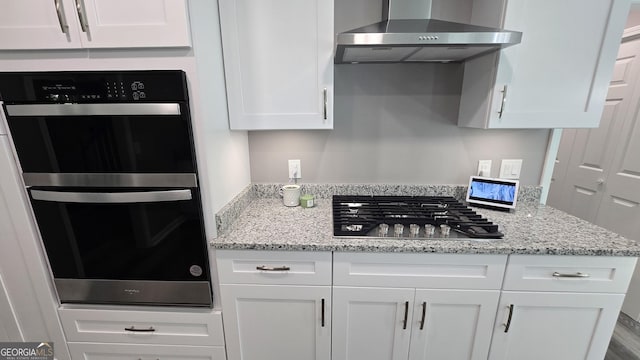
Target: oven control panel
{"x": 94, "y": 87}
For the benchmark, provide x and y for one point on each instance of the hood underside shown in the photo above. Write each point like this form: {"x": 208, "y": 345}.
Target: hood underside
{"x": 420, "y": 40}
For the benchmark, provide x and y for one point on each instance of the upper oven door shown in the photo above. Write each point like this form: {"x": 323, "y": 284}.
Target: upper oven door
{"x": 102, "y": 137}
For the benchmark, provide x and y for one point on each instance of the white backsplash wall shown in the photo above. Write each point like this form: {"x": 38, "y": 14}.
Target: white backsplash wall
{"x": 395, "y": 123}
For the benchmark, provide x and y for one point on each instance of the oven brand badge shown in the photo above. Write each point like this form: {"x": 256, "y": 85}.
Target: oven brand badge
{"x": 195, "y": 270}
{"x": 26, "y": 351}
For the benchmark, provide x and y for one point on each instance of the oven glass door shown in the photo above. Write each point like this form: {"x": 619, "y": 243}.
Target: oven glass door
{"x": 122, "y": 234}
{"x": 102, "y": 138}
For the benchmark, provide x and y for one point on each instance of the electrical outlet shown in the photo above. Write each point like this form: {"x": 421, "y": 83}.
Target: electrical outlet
{"x": 295, "y": 172}
{"x": 484, "y": 168}
{"x": 510, "y": 168}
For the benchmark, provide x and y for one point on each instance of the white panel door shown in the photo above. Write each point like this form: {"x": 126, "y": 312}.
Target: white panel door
{"x": 567, "y": 326}
{"x": 267, "y": 322}
{"x": 371, "y": 323}
{"x": 620, "y": 207}
{"x": 557, "y": 77}
{"x": 37, "y": 24}
{"x": 453, "y": 324}
{"x": 278, "y": 58}
{"x": 134, "y": 23}
{"x": 590, "y": 153}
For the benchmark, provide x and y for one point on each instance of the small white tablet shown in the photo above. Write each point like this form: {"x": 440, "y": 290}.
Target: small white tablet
{"x": 495, "y": 193}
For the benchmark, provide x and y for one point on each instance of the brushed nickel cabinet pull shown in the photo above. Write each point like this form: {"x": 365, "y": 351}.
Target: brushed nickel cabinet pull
{"x": 504, "y": 100}
{"x": 576, "y": 275}
{"x": 82, "y": 16}
{"x": 507, "y": 325}
{"x": 272, "y": 268}
{"x": 324, "y": 96}
{"x": 61, "y": 18}
{"x": 322, "y": 318}
{"x": 424, "y": 314}
{"x": 133, "y": 328}
{"x": 406, "y": 315}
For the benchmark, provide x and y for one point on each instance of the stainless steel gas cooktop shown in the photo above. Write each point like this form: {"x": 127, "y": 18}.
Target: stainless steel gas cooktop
{"x": 409, "y": 217}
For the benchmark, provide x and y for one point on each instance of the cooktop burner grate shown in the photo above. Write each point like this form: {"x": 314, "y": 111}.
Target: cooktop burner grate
{"x": 408, "y": 217}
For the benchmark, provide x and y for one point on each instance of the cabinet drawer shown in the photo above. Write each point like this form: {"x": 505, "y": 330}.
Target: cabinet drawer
{"x": 274, "y": 267}
{"x": 435, "y": 271}
{"x": 569, "y": 273}
{"x": 100, "y": 351}
{"x": 193, "y": 327}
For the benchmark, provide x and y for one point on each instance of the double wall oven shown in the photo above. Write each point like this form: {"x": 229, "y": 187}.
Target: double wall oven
{"x": 109, "y": 164}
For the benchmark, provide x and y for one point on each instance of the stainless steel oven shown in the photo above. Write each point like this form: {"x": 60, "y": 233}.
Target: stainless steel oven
{"x": 109, "y": 162}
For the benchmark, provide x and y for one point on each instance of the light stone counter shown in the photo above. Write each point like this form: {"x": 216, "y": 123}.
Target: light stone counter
{"x": 263, "y": 223}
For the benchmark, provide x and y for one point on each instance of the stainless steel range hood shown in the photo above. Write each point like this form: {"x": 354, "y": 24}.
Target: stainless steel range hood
{"x": 403, "y": 38}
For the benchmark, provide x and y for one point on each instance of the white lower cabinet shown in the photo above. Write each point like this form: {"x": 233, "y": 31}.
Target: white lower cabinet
{"x": 395, "y": 306}
{"x": 559, "y": 307}
{"x": 562, "y": 326}
{"x": 456, "y": 324}
{"x": 102, "y": 351}
{"x": 276, "y": 304}
{"x": 273, "y": 322}
{"x": 414, "y": 306}
{"x": 369, "y": 323}
{"x": 114, "y": 333}
{"x": 418, "y": 324}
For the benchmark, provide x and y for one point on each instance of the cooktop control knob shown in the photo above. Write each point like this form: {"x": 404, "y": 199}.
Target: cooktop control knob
{"x": 398, "y": 229}
{"x": 383, "y": 230}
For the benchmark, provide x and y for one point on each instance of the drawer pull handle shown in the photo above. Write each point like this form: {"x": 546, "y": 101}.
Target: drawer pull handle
{"x": 273, "y": 268}
{"x": 133, "y": 328}
{"x": 507, "y": 325}
{"x": 576, "y": 275}
{"x": 406, "y": 315}
{"x": 424, "y": 314}
{"x": 322, "y": 320}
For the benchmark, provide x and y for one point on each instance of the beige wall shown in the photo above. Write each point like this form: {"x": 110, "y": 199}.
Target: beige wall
{"x": 394, "y": 123}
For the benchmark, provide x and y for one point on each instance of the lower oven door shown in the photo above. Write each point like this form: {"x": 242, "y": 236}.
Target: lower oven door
{"x": 125, "y": 245}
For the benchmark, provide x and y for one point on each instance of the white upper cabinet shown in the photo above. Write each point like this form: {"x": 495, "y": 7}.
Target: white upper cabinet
{"x": 278, "y": 59}
{"x": 557, "y": 77}
{"x": 34, "y": 24}
{"x": 60, "y": 24}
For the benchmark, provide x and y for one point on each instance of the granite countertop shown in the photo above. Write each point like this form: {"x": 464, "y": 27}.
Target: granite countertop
{"x": 263, "y": 223}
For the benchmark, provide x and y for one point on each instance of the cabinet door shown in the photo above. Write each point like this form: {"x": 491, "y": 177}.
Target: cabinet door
{"x": 453, "y": 324}
{"x": 371, "y": 323}
{"x": 557, "y": 76}
{"x": 266, "y": 322}
{"x": 36, "y": 24}
{"x": 550, "y": 325}
{"x": 134, "y": 23}
{"x": 278, "y": 59}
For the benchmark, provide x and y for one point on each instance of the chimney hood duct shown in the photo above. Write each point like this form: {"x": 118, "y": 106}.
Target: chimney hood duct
{"x": 403, "y": 38}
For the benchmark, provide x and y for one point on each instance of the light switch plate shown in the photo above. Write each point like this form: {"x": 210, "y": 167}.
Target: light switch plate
{"x": 484, "y": 168}
{"x": 510, "y": 168}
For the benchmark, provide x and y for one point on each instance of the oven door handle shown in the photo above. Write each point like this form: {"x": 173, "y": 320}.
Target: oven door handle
{"x": 111, "y": 197}
{"x": 119, "y": 109}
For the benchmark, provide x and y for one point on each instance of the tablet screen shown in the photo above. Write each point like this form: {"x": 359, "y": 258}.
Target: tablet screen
{"x": 494, "y": 192}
